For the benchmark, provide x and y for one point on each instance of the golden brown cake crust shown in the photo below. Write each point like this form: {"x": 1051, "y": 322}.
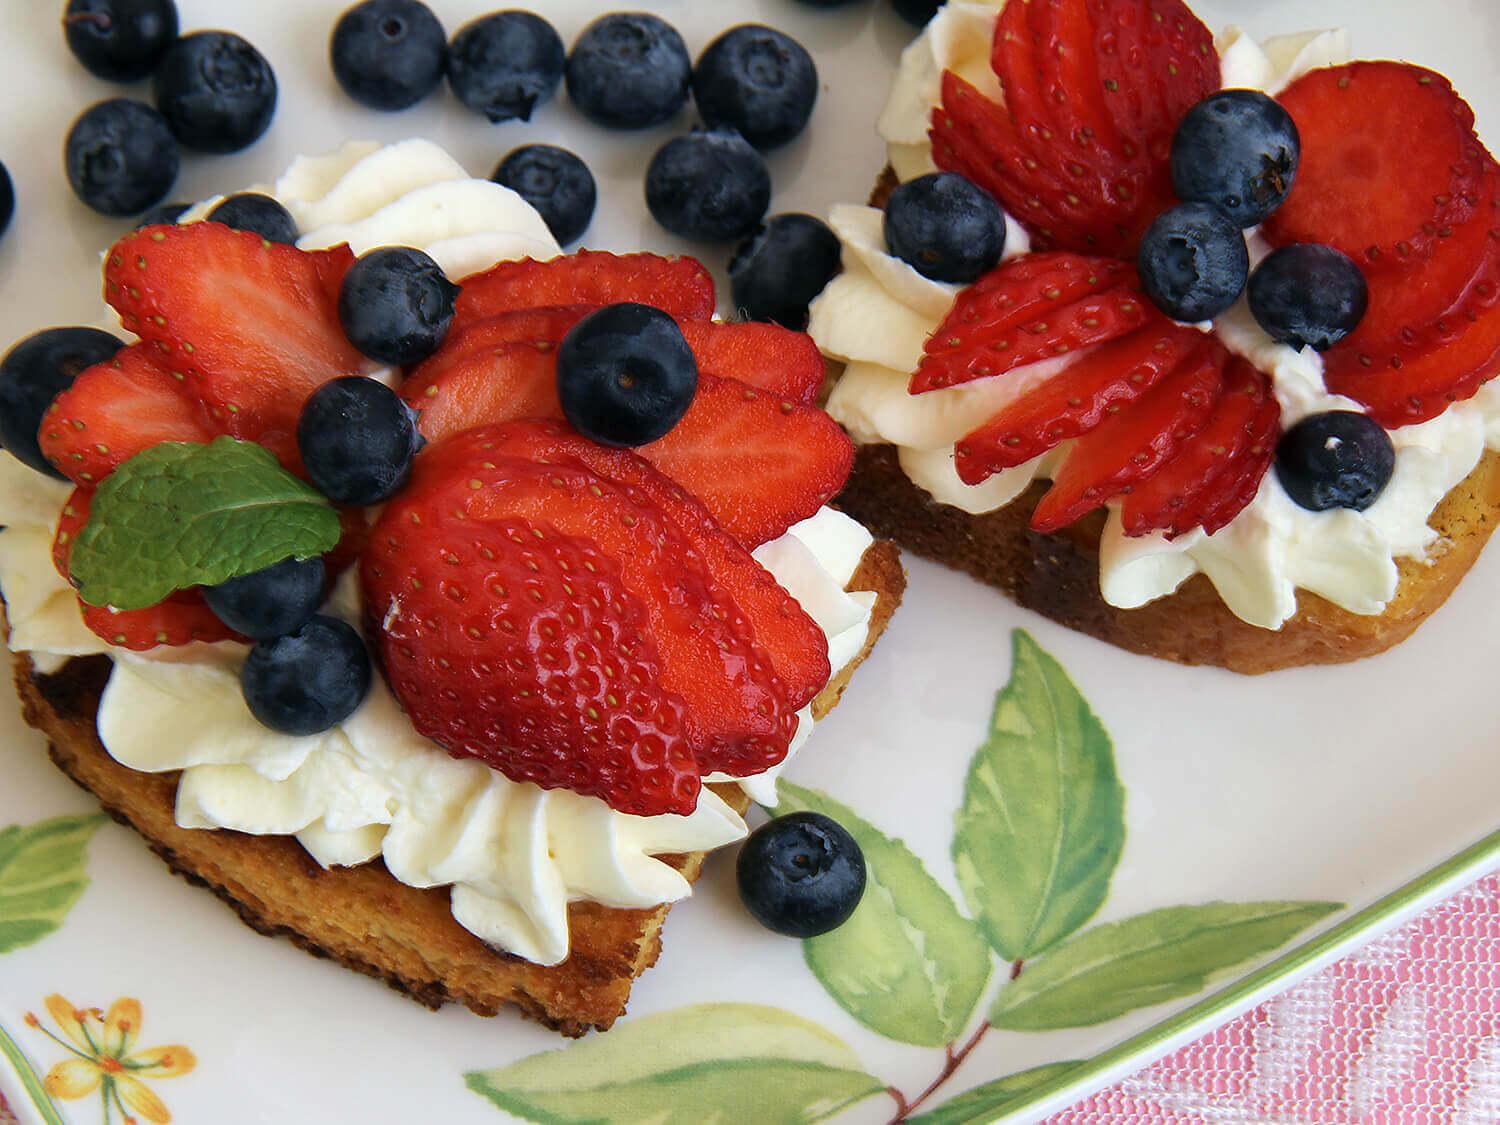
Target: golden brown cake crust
{"x": 360, "y": 916}
{"x": 1058, "y": 575}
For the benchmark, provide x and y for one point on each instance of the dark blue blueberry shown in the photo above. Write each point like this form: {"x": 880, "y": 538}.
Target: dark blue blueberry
{"x": 760, "y": 81}
{"x": 252, "y": 211}
{"x": 917, "y": 12}
{"x": 778, "y": 270}
{"x": 164, "y": 214}
{"x": 1238, "y": 150}
{"x": 7, "y": 199}
{"x": 357, "y": 440}
{"x": 1308, "y": 295}
{"x": 555, "y": 182}
{"x": 801, "y": 874}
{"x": 945, "y": 227}
{"x": 36, "y": 371}
{"x": 388, "y": 54}
{"x": 270, "y": 603}
{"x": 396, "y": 304}
{"x": 625, "y": 375}
{"x": 1339, "y": 459}
{"x": 308, "y": 681}
{"x": 1193, "y": 261}
{"x": 711, "y": 185}
{"x": 217, "y": 92}
{"x": 629, "y": 70}
{"x": 120, "y": 40}
{"x": 505, "y": 64}
{"x": 120, "y": 157}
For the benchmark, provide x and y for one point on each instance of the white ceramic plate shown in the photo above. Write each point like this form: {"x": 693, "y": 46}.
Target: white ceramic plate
{"x": 1351, "y": 785}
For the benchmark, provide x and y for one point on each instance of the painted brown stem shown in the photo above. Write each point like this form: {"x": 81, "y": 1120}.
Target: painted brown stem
{"x": 951, "y": 1063}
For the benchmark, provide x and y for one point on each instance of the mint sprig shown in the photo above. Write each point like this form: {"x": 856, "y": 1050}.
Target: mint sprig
{"x": 179, "y": 515}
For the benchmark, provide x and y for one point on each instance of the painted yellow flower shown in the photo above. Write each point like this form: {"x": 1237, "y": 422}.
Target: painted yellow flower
{"x": 105, "y": 1060}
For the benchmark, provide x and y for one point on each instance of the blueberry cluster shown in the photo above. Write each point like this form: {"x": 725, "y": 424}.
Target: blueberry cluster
{"x": 212, "y": 92}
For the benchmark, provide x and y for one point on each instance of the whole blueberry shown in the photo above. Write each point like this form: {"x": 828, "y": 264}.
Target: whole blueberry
{"x": 629, "y": 70}
{"x": 33, "y": 373}
{"x": 308, "y": 681}
{"x": 163, "y": 214}
{"x": 711, "y": 185}
{"x": 1193, "y": 261}
{"x": 120, "y": 40}
{"x": 271, "y": 602}
{"x": 1308, "y": 295}
{"x": 357, "y": 440}
{"x": 1236, "y": 149}
{"x": 625, "y": 375}
{"x": 396, "y": 305}
{"x": 758, "y": 80}
{"x": 252, "y": 211}
{"x": 120, "y": 157}
{"x": 505, "y": 64}
{"x": 779, "y": 269}
{"x": 554, "y": 181}
{"x": 1338, "y": 459}
{"x": 917, "y": 12}
{"x": 801, "y": 874}
{"x": 217, "y": 92}
{"x": 7, "y": 199}
{"x": 945, "y": 227}
{"x": 388, "y": 54}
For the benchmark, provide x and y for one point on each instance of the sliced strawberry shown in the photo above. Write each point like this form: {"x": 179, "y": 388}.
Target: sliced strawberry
{"x": 1030, "y": 310}
{"x": 117, "y": 408}
{"x": 1134, "y": 444}
{"x": 497, "y": 385}
{"x": 545, "y": 324}
{"x": 680, "y": 286}
{"x": 1389, "y": 161}
{"x": 1237, "y": 487}
{"x": 253, "y": 325}
{"x": 757, "y": 462}
{"x": 75, "y": 514}
{"x": 1097, "y": 386}
{"x": 1180, "y": 60}
{"x": 794, "y": 642}
{"x": 1169, "y": 500}
{"x": 767, "y": 356}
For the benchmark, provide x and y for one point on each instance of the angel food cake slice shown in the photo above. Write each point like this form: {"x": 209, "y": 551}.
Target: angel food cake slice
{"x": 543, "y": 675}
{"x": 1113, "y": 464}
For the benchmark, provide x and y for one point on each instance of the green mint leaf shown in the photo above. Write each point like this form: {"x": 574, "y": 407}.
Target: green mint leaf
{"x": 1042, "y": 824}
{"x": 906, "y": 964}
{"x": 179, "y": 515}
{"x": 43, "y": 870}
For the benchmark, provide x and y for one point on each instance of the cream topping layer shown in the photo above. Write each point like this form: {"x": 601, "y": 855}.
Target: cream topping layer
{"x": 876, "y": 320}
{"x": 515, "y": 855}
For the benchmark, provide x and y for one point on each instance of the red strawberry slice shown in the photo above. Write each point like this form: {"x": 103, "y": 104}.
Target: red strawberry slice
{"x": 517, "y": 380}
{"x": 680, "y": 286}
{"x": 182, "y": 619}
{"x": 545, "y": 324}
{"x": 1134, "y": 444}
{"x": 758, "y": 463}
{"x": 1021, "y": 313}
{"x": 1196, "y": 477}
{"x": 769, "y": 357}
{"x": 1082, "y": 396}
{"x": 117, "y": 408}
{"x": 253, "y": 325}
{"x": 1389, "y": 161}
{"x": 1180, "y": 59}
{"x": 1238, "y": 487}
{"x": 794, "y": 642}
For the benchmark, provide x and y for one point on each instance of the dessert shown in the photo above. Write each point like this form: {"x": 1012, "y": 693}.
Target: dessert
{"x": 413, "y": 862}
{"x": 964, "y": 402}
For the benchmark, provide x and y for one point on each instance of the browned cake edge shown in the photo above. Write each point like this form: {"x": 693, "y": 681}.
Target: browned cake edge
{"x": 360, "y": 916}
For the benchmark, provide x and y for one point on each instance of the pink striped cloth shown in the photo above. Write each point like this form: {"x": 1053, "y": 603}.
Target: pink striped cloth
{"x": 1404, "y": 1032}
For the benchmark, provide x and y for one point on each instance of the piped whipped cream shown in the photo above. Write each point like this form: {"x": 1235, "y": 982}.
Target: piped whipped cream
{"x": 878, "y": 313}
{"x": 514, "y": 855}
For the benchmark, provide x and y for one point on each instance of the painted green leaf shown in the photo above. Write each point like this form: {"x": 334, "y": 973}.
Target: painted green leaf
{"x": 906, "y": 964}
{"x": 1043, "y": 818}
{"x": 42, "y": 873}
{"x": 980, "y": 1103}
{"x": 1146, "y": 959}
{"x": 702, "y": 1063}
{"x": 181, "y": 514}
